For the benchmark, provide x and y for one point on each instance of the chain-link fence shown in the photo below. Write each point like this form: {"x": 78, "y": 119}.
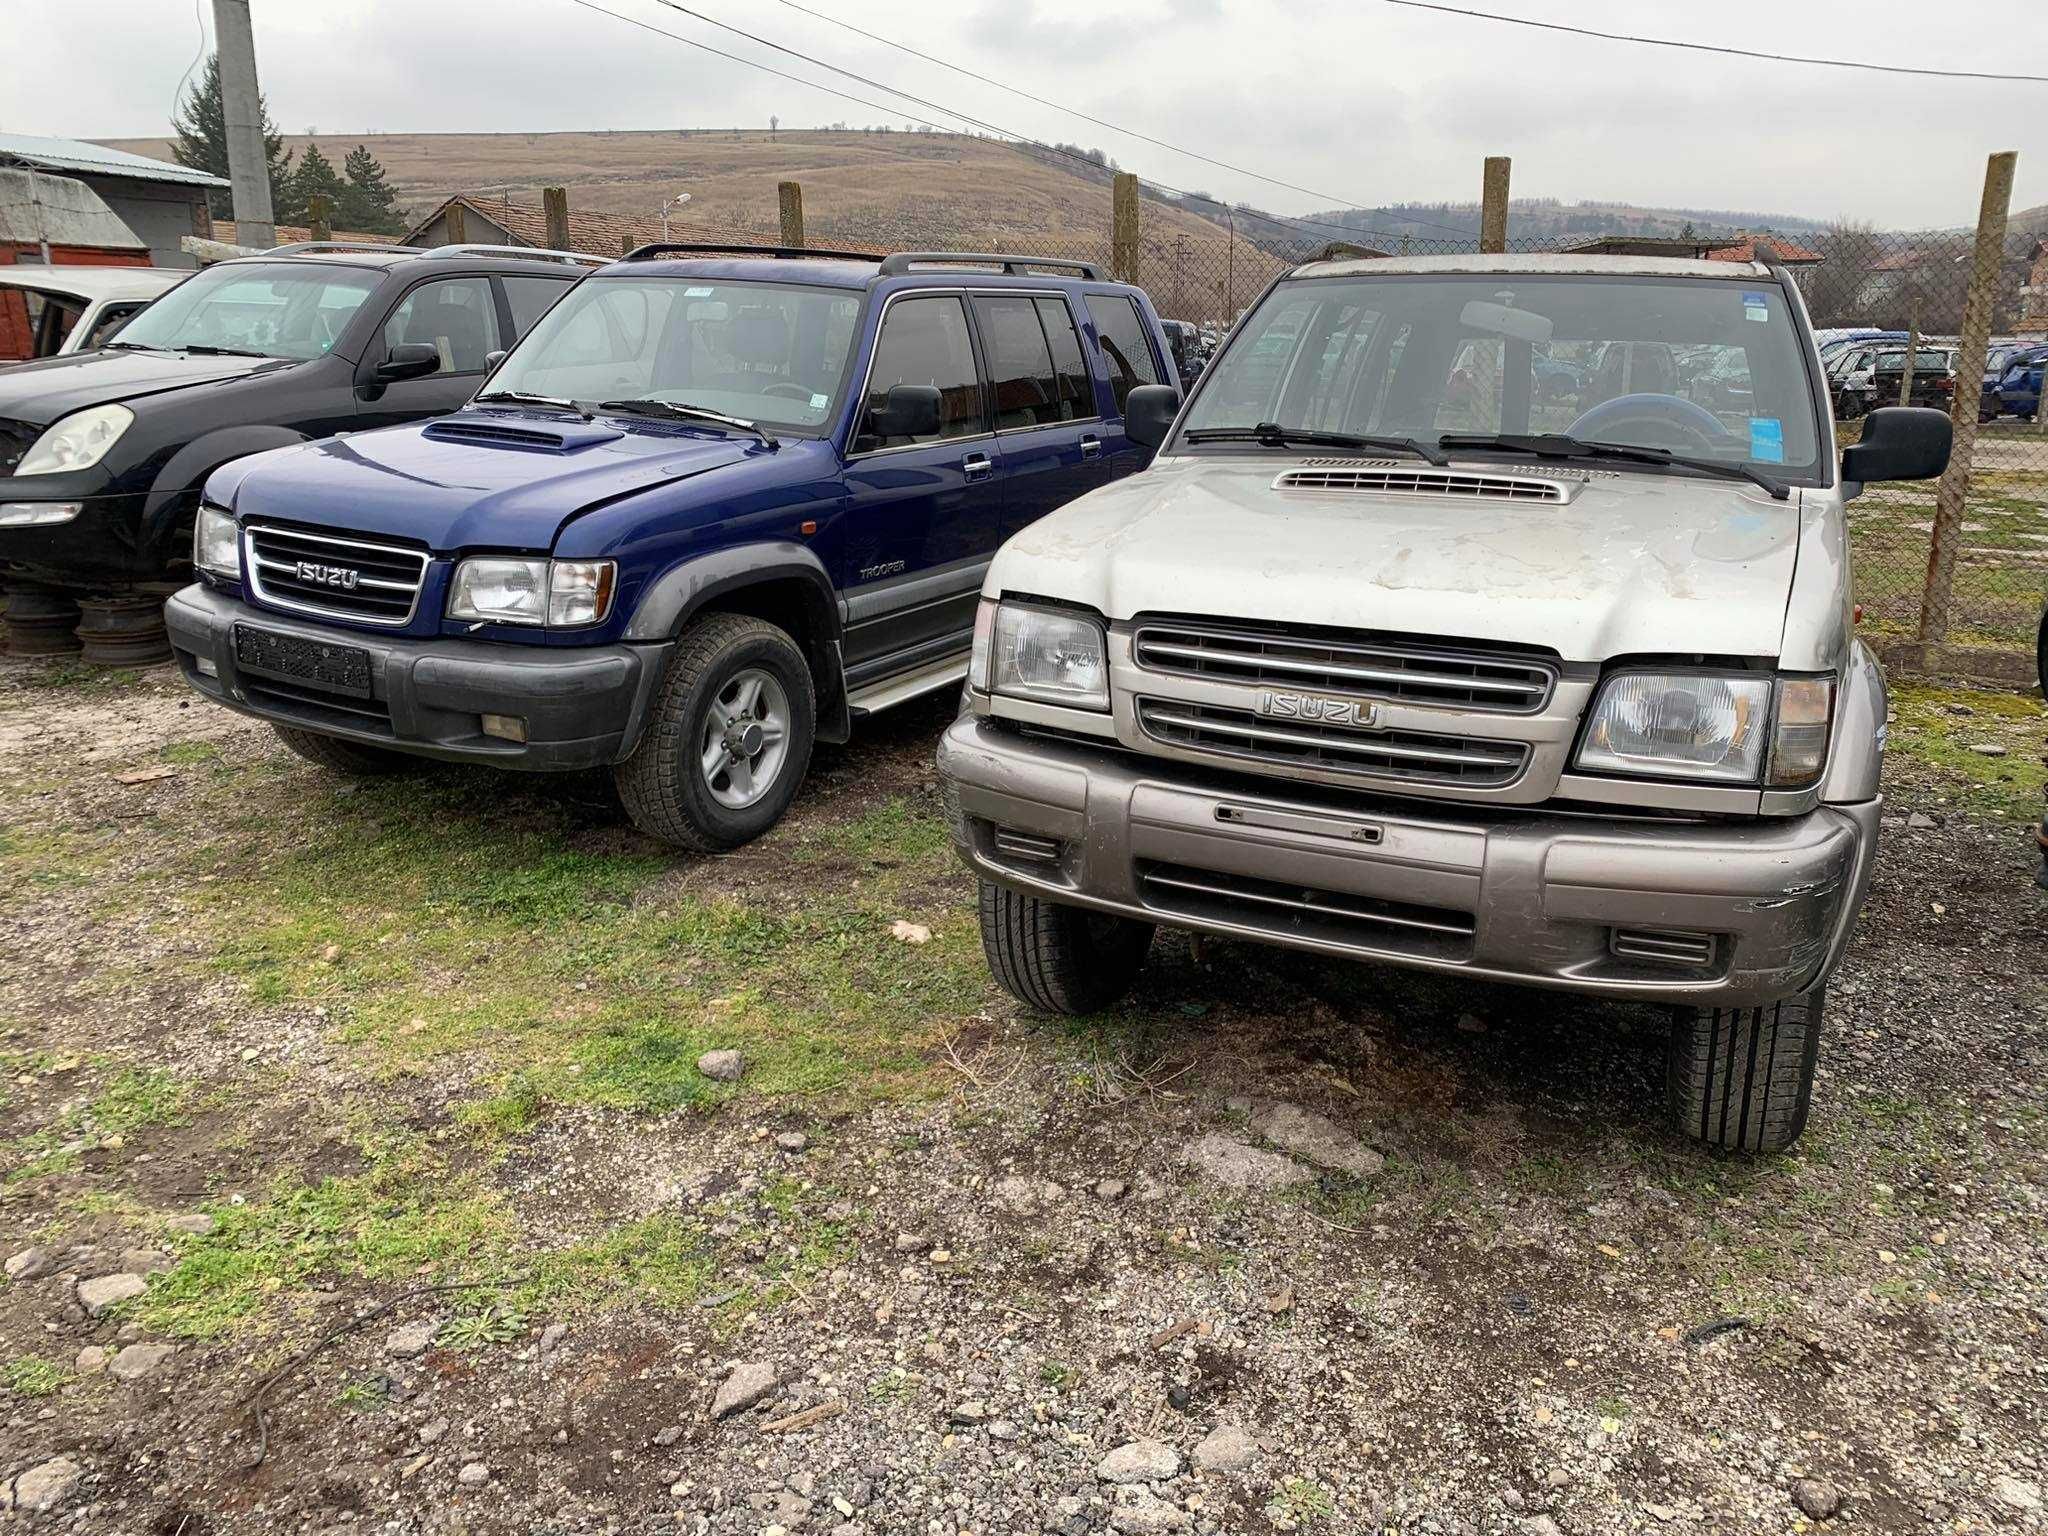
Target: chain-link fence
{"x": 1887, "y": 307}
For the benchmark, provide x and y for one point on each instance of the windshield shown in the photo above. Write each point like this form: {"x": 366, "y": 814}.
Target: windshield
{"x": 295, "y": 309}
{"x": 1699, "y": 366}
{"x": 767, "y": 352}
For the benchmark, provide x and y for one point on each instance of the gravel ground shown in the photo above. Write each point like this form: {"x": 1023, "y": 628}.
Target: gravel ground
{"x": 1283, "y": 1245}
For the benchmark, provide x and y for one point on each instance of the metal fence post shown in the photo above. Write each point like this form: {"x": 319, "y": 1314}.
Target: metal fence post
{"x": 556, "y": 201}
{"x": 1976, "y": 342}
{"x": 1493, "y": 205}
{"x": 791, "y": 194}
{"x": 1913, "y": 346}
{"x": 1123, "y": 228}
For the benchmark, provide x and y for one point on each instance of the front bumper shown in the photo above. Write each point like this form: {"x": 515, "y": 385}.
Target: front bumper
{"x": 1718, "y": 913}
{"x": 583, "y": 707}
{"x": 106, "y": 547}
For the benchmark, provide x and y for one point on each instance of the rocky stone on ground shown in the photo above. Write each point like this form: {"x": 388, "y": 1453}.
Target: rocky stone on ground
{"x": 47, "y": 1485}
{"x": 1231, "y": 1163}
{"x": 722, "y": 1066}
{"x": 1316, "y": 1139}
{"x": 192, "y": 1224}
{"x": 1226, "y": 1448}
{"x": 1147, "y": 1515}
{"x": 1141, "y": 1461}
{"x": 2016, "y": 1493}
{"x": 139, "y": 1360}
{"x": 472, "y": 1474}
{"x": 100, "y": 1295}
{"x": 29, "y": 1264}
{"x": 792, "y": 1141}
{"x": 1817, "y": 1498}
{"x": 411, "y": 1341}
{"x": 749, "y": 1382}
{"x": 92, "y": 1358}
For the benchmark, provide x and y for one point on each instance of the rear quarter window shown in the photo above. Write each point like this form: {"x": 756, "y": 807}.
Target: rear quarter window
{"x": 1125, "y": 346}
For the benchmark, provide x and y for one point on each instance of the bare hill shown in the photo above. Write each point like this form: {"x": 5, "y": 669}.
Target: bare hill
{"x": 864, "y": 189}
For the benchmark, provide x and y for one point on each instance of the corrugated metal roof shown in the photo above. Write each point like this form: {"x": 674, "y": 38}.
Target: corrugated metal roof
{"x": 35, "y": 208}
{"x": 76, "y": 157}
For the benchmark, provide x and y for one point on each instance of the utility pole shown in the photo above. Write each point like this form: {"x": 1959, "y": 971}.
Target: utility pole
{"x": 248, "y": 166}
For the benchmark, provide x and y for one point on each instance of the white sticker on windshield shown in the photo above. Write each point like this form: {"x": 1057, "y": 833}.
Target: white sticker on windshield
{"x": 697, "y": 293}
{"x": 1756, "y": 306}
{"x": 818, "y": 402}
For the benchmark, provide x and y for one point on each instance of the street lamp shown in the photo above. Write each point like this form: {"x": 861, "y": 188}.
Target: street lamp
{"x": 675, "y": 202}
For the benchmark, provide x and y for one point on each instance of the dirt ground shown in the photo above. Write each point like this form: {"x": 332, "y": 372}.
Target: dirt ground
{"x": 386, "y": 1096}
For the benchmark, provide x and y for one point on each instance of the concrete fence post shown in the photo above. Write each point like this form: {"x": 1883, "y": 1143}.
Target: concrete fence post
{"x": 791, "y": 194}
{"x": 1954, "y": 487}
{"x": 1123, "y": 228}
{"x": 319, "y": 211}
{"x": 1493, "y": 205}
{"x": 627, "y": 244}
{"x": 555, "y": 200}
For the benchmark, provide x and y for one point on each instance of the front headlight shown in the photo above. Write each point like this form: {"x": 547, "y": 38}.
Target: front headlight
{"x": 78, "y": 441}
{"x": 560, "y": 593}
{"x": 1679, "y": 725}
{"x": 1049, "y": 655}
{"x": 216, "y": 543}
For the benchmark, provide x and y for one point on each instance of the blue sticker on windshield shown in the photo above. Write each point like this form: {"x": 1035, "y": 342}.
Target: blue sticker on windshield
{"x": 1766, "y": 439}
{"x": 1756, "y": 306}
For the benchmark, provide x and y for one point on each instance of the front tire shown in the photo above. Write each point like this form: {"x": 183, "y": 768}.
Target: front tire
{"x": 729, "y": 739}
{"x": 1059, "y": 959}
{"x": 1741, "y": 1079}
{"x": 349, "y": 758}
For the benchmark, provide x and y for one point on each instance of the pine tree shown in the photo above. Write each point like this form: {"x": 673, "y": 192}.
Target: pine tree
{"x": 369, "y": 206}
{"x": 201, "y": 125}
{"x": 315, "y": 177}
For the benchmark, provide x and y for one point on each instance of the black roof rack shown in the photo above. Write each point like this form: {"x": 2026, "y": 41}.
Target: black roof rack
{"x": 1012, "y": 266}
{"x": 780, "y": 252}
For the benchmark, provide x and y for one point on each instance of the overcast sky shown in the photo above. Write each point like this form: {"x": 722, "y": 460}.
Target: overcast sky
{"x": 1361, "y": 101}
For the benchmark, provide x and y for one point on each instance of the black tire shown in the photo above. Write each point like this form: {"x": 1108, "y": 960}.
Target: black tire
{"x": 1060, "y": 959}
{"x": 351, "y": 758}
{"x": 663, "y": 785}
{"x": 1741, "y": 1079}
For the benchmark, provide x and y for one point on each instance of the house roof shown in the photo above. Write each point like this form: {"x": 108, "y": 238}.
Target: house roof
{"x": 298, "y": 234}
{"x": 35, "y": 207}
{"x": 1773, "y": 248}
{"x": 75, "y": 157}
{"x": 600, "y": 234}
{"x": 1742, "y": 247}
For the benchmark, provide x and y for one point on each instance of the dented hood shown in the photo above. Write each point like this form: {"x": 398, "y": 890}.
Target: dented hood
{"x": 457, "y": 492}
{"x": 1633, "y": 563}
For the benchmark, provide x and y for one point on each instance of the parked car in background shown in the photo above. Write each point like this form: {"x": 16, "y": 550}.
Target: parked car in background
{"x": 720, "y": 504}
{"x": 1580, "y": 709}
{"x": 2019, "y": 388}
{"x": 1872, "y": 376}
{"x": 75, "y": 309}
{"x": 1189, "y": 353}
{"x": 102, "y": 453}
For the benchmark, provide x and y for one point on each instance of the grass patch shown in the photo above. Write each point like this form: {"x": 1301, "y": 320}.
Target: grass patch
{"x": 1301, "y": 1501}
{"x": 190, "y": 754}
{"x": 1928, "y": 730}
{"x": 33, "y": 1376}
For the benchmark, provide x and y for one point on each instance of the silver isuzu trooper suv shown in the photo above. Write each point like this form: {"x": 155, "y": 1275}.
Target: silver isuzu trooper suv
{"x": 1483, "y": 614}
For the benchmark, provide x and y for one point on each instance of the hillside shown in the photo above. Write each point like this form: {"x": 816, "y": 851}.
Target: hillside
{"x": 901, "y": 190}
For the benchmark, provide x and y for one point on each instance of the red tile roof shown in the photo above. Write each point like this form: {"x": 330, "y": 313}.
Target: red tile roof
{"x": 1775, "y": 249}
{"x": 297, "y": 234}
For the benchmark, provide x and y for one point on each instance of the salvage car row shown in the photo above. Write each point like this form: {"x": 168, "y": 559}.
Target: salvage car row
{"x": 1377, "y": 645}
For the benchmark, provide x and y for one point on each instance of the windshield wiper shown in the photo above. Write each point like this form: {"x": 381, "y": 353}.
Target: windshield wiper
{"x": 199, "y": 350}
{"x": 1560, "y": 445}
{"x": 651, "y": 407}
{"x": 129, "y": 346}
{"x": 521, "y": 397}
{"x": 1271, "y": 434}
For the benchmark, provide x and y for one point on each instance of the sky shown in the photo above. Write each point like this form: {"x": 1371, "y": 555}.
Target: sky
{"x": 1358, "y": 101}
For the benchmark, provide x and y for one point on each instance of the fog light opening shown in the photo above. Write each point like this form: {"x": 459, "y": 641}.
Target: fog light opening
{"x": 505, "y": 727}
{"x": 205, "y": 667}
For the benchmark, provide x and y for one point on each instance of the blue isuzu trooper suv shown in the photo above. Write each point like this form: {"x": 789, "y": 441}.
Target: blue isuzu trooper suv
{"x": 716, "y": 505}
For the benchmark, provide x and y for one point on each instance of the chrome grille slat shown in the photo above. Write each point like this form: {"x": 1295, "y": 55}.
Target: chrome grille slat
{"x": 1462, "y": 483}
{"x": 1505, "y": 682}
{"x": 1408, "y": 756}
{"x": 388, "y": 584}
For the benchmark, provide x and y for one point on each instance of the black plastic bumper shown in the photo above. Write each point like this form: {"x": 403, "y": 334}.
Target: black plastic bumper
{"x": 582, "y": 708}
{"x": 105, "y": 548}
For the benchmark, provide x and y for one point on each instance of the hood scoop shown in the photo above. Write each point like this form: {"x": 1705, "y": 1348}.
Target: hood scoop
{"x": 534, "y": 439}
{"x": 1399, "y": 477}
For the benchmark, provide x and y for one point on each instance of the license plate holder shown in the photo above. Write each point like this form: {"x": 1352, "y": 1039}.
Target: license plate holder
{"x": 319, "y": 664}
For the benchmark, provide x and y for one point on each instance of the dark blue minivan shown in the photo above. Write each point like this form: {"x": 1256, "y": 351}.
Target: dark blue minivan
{"x": 716, "y": 505}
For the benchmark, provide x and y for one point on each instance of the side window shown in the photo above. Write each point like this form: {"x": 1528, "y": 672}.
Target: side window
{"x": 1077, "y": 389}
{"x": 530, "y": 298}
{"x": 456, "y": 316}
{"x": 1027, "y": 390}
{"x": 924, "y": 341}
{"x": 1124, "y": 344}
{"x": 108, "y": 321}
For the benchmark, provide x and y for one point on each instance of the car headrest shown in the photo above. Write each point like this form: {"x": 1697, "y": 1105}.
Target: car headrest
{"x": 761, "y": 337}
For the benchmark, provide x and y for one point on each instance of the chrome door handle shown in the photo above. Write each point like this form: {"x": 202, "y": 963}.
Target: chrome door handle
{"x": 977, "y": 465}
{"x": 1091, "y": 445}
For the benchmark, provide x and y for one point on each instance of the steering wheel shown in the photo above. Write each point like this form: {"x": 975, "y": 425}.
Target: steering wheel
{"x": 1692, "y": 422}
{"x": 787, "y": 390}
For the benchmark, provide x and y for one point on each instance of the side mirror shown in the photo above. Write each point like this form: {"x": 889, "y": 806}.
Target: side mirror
{"x": 492, "y": 359}
{"x": 1900, "y": 442}
{"x": 1148, "y": 414}
{"x": 911, "y": 410}
{"x": 409, "y": 360}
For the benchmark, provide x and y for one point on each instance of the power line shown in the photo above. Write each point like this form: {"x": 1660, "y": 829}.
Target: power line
{"x": 1740, "y": 53}
{"x": 1276, "y": 220}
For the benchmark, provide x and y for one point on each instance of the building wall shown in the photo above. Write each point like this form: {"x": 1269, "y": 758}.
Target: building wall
{"x": 476, "y": 230}
{"x": 161, "y": 212}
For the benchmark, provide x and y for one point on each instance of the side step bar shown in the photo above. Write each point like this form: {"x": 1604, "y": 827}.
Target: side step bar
{"x": 946, "y": 672}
